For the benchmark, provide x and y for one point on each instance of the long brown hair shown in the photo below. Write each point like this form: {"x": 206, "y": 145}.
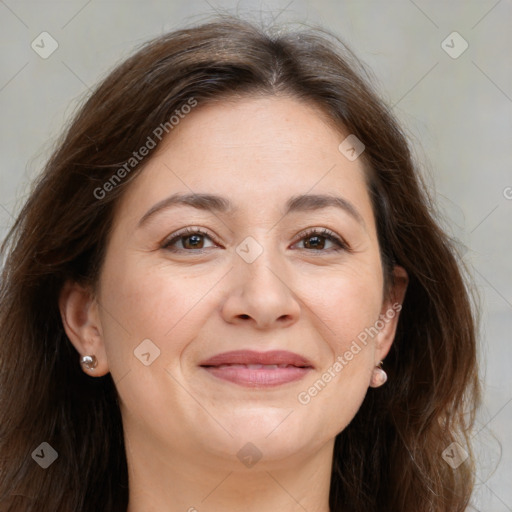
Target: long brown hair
{"x": 389, "y": 458}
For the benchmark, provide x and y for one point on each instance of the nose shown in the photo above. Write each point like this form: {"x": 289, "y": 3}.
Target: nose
{"x": 261, "y": 294}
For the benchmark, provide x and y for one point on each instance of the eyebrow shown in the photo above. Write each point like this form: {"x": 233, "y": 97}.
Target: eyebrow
{"x": 215, "y": 203}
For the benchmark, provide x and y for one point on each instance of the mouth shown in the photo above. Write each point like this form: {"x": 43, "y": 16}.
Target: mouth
{"x": 258, "y": 369}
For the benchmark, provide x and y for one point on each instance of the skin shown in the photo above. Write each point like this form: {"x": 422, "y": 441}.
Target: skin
{"x": 183, "y": 427}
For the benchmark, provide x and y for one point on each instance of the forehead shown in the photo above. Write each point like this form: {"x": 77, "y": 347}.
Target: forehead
{"x": 256, "y": 150}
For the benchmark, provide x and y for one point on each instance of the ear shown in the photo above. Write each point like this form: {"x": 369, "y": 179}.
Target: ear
{"x": 79, "y": 312}
{"x": 390, "y": 312}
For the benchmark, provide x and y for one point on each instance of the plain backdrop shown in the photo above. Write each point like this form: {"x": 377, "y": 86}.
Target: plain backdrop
{"x": 455, "y": 103}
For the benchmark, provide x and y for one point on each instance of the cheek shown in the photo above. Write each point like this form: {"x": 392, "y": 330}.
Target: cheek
{"x": 149, "y": 303}
{"x": 347, "y": 302}
{"x": 337, "y": 389}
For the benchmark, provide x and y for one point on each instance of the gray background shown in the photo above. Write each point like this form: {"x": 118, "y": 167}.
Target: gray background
{"x": 457, "y": 112}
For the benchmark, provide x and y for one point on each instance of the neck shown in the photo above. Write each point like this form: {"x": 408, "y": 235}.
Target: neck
{"x": 193, "y": 482}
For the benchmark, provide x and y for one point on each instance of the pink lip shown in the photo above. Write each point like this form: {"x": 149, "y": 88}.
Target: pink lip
{"x": 233, "y": 367}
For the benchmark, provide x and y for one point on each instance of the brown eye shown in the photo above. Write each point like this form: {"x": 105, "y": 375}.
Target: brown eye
{"x": 189, "y": 240}
{"x": 192, "y": 241}
{"x": 316, "y": 240}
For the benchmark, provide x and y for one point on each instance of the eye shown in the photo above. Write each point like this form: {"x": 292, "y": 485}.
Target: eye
{"x": 316, "y": 239}
{"x": 188, "y": 238}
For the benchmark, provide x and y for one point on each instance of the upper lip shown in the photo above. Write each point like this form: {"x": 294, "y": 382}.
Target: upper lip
{"x": 254, "y": 357}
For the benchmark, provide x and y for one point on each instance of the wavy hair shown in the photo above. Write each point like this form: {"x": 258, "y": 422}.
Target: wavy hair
{"x": 389, "y": 458}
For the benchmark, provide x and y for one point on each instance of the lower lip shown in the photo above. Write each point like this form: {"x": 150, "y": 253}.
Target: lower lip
{"x": 258, "y": 377}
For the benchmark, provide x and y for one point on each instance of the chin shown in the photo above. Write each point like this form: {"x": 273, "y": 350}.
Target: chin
{"x": 266, "y": 434}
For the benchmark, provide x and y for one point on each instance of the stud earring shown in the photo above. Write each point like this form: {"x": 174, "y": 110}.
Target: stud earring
{"x": 89, "y": 362}
{"x": 379, "y": 376}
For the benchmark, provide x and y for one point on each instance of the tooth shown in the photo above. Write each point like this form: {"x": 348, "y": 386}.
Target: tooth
{"x": 271, "y": 366}
{"x": 254, "y": 366}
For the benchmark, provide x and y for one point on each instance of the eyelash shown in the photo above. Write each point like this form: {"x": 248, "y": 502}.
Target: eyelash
{"x": 325, "y": 233}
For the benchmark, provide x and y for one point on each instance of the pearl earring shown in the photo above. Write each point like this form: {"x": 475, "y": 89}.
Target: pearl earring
{"x": 89, "y": 362}
{"x": 379, "y": 376}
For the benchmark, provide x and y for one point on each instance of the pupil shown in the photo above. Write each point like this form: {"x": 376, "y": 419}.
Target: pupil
{"x": 196, "y": 240}
{"x": 315, "y": 244}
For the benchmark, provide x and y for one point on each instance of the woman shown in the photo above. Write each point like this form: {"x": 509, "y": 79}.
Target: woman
{"x": 227, "y": 291}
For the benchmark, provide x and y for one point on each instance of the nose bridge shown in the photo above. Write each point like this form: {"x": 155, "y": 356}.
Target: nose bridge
{"x": 261, "y": 261}
{"x": 261, "y": 291}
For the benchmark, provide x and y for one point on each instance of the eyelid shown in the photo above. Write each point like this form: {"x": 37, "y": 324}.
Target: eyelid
{"x": 190, "y": 230}
{"x": 339, "y": 241}
{"x": 326, "y": 233}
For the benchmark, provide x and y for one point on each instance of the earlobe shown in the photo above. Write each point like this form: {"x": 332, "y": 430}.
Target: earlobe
{"x": 79, "y": 313}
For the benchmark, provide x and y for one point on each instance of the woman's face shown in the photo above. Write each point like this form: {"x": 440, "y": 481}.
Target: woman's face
{"x": 253, "y": 279}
